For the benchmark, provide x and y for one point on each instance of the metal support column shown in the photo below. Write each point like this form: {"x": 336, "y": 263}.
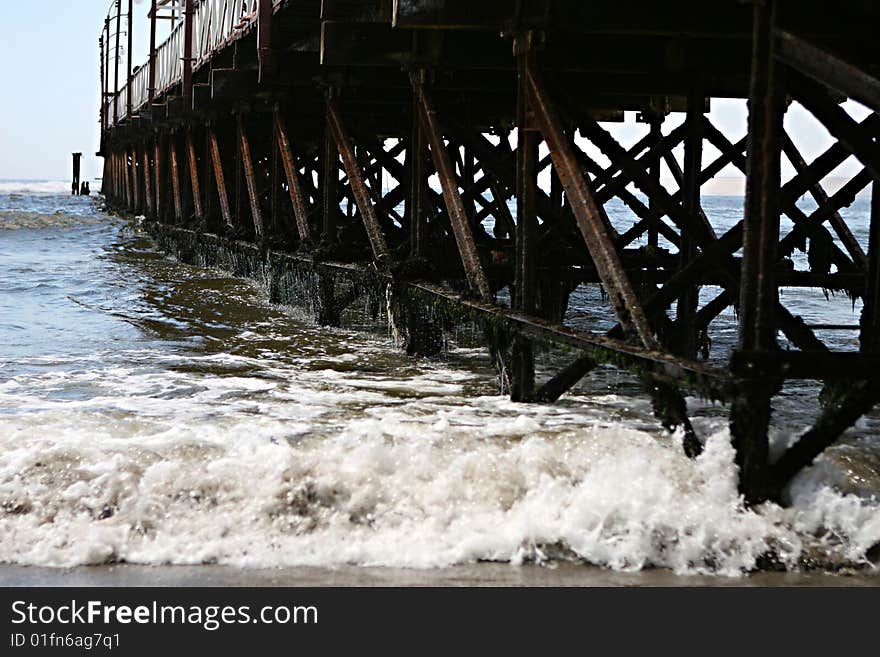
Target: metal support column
{"x": 525, "y": 274}
{"x": 750, "y": 411}
{"x": 686, "y": 309}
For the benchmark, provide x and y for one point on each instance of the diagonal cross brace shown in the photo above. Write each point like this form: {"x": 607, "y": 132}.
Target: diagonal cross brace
{"x": 297, "y": 197}
{"x": 249, "y": 176}
{"x": 358, "y": 184}
{"x": 464, "y": 238}
{"x": 837, "y": 223}
{"x": 589, "y": 217}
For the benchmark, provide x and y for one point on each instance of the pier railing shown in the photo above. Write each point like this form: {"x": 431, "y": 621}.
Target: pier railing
{"x": 216, "y": 23}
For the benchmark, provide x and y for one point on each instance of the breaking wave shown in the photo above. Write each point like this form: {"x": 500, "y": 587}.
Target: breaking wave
{"x": 328, "y": 466}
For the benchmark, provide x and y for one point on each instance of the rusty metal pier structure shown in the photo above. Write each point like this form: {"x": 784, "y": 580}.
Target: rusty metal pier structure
{"x": 432, "y": 154}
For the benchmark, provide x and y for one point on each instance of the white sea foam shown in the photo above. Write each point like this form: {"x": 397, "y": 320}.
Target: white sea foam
{"x": 291, "y": 467}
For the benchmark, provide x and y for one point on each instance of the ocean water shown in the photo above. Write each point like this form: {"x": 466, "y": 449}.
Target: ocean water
{"x": 156, "y": 413}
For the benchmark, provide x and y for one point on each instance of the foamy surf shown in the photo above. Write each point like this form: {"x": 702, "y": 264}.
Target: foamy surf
{"x": 285, "y": 468}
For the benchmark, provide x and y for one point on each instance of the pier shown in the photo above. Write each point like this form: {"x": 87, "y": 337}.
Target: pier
{"x": 428, "y": 157}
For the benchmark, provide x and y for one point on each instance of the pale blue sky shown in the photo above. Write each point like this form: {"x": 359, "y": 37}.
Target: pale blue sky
{"x": 49, "y": 69}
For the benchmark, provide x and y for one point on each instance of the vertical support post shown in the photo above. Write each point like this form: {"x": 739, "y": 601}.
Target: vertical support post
{"x": 239, "y": 205}
{"x": 274, "y": 185}
{"x": 175, "y": 179}
{"x": 194, "y": 176}
{"x": 189, "y": 18}
{"x": 75, "y": 186}
{"x": 210, "y": 199}
{"x": 105, "y": 98}
{"x": 655, "y": 123}
{"x": 116, "y": 63}
{"x": 126, "y": 180}
{"x": 115, "y": 167}
{"x": 869, "y": 336}
{"x": 220, "y": 179}
{"x": 555, "y": 189}
{"x": 114, "y": 177}
{"x": 135, "y": 184}
{"x": 330, "y": 184}
{"x": 108, "y": 185}
{"x": 157, "y": 178}
{"x": 526, "y": 279}
{"x": 264, "y": 39}
{"x": 148, "y": 188}
{"x": 129, "y": 86}
{"x": 297, "y": 197}
{"x": 103, "y": 117}
{"x": 104, "y": 174}
{"x": 469, "y": 173}
{"x": 120, "y": 180}
{"x": 686, "y": 308}
{"x": 152, "y": 88}
{"x": 250, "y": 180}
{"x": 416, "y": 156}
{"x": 750, "y": 411}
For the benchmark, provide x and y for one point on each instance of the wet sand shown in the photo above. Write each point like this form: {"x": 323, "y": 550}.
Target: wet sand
{"x": 483, "y": 574}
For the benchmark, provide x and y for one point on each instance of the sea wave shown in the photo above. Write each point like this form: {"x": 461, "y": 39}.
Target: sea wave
{"x": 35, "y": 188}
{"x": 26, "y": 220}
{"x": 322, "y": 468}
